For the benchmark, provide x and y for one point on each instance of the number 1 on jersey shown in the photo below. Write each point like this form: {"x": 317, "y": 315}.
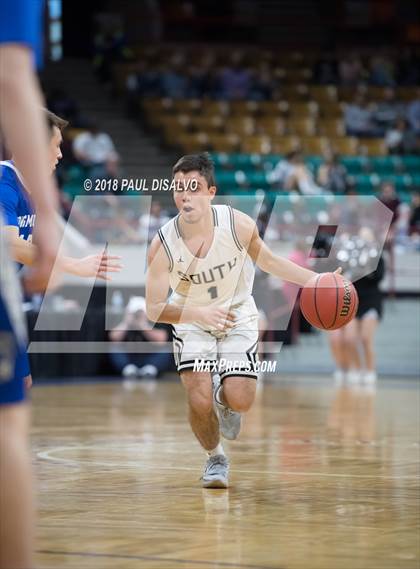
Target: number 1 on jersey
{"x": 212, "y": 291}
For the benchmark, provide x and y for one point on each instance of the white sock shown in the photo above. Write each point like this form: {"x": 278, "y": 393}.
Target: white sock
{"x": 215, "y": 451}
{"x": 217, "y": 395}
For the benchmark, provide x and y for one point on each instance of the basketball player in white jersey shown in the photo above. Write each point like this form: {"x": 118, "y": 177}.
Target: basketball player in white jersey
{"x": 205, "y": 256}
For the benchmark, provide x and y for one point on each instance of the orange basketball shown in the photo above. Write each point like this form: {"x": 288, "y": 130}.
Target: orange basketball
{"x": 328, "y": 301}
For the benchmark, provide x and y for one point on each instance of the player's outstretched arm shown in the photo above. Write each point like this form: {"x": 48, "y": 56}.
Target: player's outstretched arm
{"x": 157, "y": 289}
{"x": 98, "y": 265}
{"x": 264, "y": 258}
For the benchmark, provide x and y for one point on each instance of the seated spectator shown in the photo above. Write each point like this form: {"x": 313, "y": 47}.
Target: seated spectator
{"x": 399, "y": 139}
{"x": 95, "y": 150}
{"x": 332, "y": 176}
{"x": 351, "y": 71}
{"x": 388, "y": 196}
{"x": 326, "y": 72}
{"x": 144, "y": 81}
{"x": 136, "y": 328}
{"x": 292, "y": 174}
{"x": 414, "y": 222}
{"x": 382, "y": 71}
{"x": 150, "y": 224}
{"x": 388, "y": 111}
{"x": 413, "y": 114}
{"x": 200, "y": 82}
{"x": 358, "y": 118}
{"x": 262, "y": 84}
{"x": 234, "y": 80}
{"x": 174, "y": 83}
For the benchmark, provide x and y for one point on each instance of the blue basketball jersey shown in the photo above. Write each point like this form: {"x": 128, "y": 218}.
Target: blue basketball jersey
{"x": 21, "y": 22}
{"x": 15, "y": 201}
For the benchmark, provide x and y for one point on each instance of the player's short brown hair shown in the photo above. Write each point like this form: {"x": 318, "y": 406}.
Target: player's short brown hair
{"x": 54, "y": 120}
{"x": 202, "y": 163}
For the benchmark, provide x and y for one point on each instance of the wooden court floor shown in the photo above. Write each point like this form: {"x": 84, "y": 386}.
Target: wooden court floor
{"x": 321, "y": 477}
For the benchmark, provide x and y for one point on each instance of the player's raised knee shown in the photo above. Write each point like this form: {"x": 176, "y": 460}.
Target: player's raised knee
{"x": 239, "y": 395}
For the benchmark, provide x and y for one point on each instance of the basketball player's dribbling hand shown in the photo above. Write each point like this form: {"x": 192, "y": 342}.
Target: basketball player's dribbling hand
{"x": 216, "y": 318}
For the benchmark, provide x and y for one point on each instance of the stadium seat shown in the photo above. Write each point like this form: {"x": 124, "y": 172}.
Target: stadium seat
{"x": 257, "y": 144}
{"x": 285, "y": 144}
{"x": 257, "y": 180}
{"x": 298, "y": 92}
{"x": 223, "y": 142}
{"x": 244, "y": 107}
{"x": 322, "y": 94}
{"x": 246, "y": 162}
{"x": 243, "y": 126}
{"x": 301, "y": 126}
{"x": 383, "y": 164}
{"x": 192, "y": 142}
{"x": 372, "y": 146}
{"x": 222, "y": 160}
{"x": 330, "y": 109}
{"x": 411, "y": 163}
{"x": 210, "y": 124}
{"x": 273, "y": 108}
{"x": 354, "y": 164}
{"x": 271, "y": 126}
{"x": 301, "y": 110}
{"x": 314, "y": 144}
{"x": 331, "y": 127}
{"x": 344, "y": 145}
{"x": 215, "y": 107}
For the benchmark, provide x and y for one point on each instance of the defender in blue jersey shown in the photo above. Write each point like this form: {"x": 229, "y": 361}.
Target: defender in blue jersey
{"x": 23, "y": 127}
{"x": 20, "y": 219}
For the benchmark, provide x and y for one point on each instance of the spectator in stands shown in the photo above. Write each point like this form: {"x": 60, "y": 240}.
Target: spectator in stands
{"x": 414, "y": 223}
{"x": 262, "y": 84}
{"x": 388, "y": 196}
{"x": 200, "y": 82}
{"x": 332, "y": 176}
{"x": 150, "y": 224}
{"x": 136, "y": 328}
{"x": 144, "y": 81}
{"x": 382, "y": 71}
{"x": 174, "y": 82}
{"x": 326, "y": 71}
{"x": 95, "y": 150}
{"x": 235, "y": 80}
{"x": 388, "y": 111}
{"x": 358, "y": 118}
{"x": 413, "y": 114}
{"x": 292, "y": 174}
{"x": 351, "y": 71}
{"x": 399, "y": 139}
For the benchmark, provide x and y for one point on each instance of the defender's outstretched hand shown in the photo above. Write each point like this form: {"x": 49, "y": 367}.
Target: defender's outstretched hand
{"x": 98, "y": 265}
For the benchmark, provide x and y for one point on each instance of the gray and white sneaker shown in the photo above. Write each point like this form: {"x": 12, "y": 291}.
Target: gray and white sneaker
{"x": 229, "y": 421}
{"x": 216, "y": 472}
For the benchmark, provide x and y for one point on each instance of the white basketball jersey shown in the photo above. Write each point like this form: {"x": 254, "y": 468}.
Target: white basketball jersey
{"x": 224, "y": 277}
